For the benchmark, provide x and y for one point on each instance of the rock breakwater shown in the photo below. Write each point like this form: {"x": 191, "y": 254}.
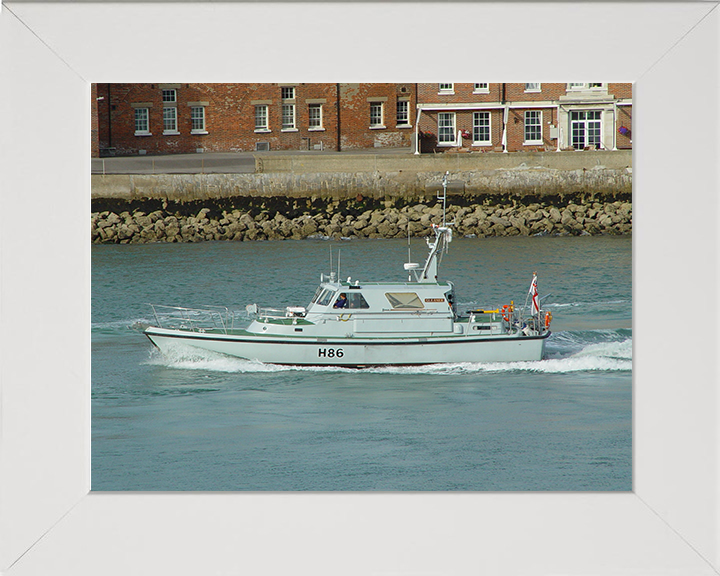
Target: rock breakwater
{"x": 144, "y": 224}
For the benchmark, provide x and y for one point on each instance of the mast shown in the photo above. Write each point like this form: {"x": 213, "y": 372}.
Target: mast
{"x": 443, "y": 237}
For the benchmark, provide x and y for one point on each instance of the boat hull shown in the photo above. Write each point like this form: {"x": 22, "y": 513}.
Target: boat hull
{"x": 352, "y": 352}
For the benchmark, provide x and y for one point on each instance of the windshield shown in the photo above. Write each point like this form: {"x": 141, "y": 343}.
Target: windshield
{"x": 325, "y": 297}
{"x": 317, "y": 294}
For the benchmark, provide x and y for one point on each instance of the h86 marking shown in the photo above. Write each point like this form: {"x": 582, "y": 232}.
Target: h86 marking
{"x": 330, "y": 353}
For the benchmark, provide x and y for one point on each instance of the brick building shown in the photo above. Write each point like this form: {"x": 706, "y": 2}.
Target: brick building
{"x": 525, "y": 116}
{"x": 186, "y": 118}
{"x": 130, "y": 119}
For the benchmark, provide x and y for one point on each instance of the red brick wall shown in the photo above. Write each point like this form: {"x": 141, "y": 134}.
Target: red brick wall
{"x": 94, "y": 143}
{"x": 513, "y": 93}
{"x": 461, "y": 93}
{"x": 229, "y": 118}
{"x": 620, "y": 90}
{"x": 356, "y": 101}
{"x": 624, "y": 127}
{"x": 548, "y": 91}
{"x": 230, "y": 115}
{"x": 464, "y": 93}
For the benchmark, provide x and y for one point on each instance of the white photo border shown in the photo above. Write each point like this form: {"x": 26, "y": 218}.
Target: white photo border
{"x": 50, "y": 523}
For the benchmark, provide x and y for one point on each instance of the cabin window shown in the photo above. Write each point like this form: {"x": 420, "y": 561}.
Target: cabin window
{"x": 317, "y": 295}
{"x": 325, "y": 297}
{"x": 356, "y": 300}
{"x": 404, "y": 300}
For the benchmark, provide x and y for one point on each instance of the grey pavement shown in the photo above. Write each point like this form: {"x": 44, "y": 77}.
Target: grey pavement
{"x": 210, "y": 162}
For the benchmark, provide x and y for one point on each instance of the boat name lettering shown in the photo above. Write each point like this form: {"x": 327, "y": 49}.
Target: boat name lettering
{"x": 330, "y": 353}
{"x": 434, "y": 299}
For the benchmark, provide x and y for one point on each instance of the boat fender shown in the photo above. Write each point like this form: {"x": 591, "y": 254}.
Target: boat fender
{"x": 548, "y": 319}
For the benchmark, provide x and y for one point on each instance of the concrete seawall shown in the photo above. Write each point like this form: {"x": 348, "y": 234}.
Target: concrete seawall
{"x": 370, "y": 196}
{"x": 338, "y": 176}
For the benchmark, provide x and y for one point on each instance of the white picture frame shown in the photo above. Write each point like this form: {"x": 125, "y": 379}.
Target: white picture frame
{"x": 50, "y": 522}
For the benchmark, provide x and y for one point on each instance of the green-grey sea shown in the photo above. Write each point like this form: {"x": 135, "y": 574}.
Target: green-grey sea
{"x": 216, "y": 423}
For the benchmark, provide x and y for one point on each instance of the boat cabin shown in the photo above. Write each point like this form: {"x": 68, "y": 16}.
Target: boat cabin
{"x": 374, "y": 297}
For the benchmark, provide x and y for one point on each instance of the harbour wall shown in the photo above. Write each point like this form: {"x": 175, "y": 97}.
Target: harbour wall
{"x": 370, "y": 195}
{"x": 388, "y": 175}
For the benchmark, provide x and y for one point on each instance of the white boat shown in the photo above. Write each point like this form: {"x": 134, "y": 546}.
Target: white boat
{"x": 356, "y": 323}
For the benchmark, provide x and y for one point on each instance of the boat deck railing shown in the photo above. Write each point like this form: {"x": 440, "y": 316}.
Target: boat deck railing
{"x": 210, "y": 318}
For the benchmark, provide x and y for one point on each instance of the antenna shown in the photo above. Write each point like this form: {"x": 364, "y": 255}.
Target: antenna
{"x": 408, "y": 231}
{"x": 338, "y": 273}
{"x": 444, "y": 193}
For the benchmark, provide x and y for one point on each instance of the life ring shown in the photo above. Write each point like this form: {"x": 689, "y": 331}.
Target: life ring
{"x": 506, "y": 313}
{"x": 344, "y": 319}
{"x": 548, "y": 319}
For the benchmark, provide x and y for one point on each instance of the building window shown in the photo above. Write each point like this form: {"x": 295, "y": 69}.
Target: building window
{"x": 261, "y": 118}
{"x": 315, "y": 121}
{"x": 532, "y": 87}
{"x": 403, "y": 113}
{"x": 481, "y": 88}
{"x": 142, "y": 122}
{"x": 170, "y": 120}
{"x": 585, "y": 128}
{"x": 533, "y": 127}
{"x": 197, "y": 116}
{"x": 376, "y": 115}
{"x": 169, "y": 95}
{"x": 481, "y": 128}
{"x": 586, "y": 85}
{"x": 447, "y": 88}
{"x": 446, "y": 128}
{"x": 287, "y": 93}
{"x": 288, "y": 116}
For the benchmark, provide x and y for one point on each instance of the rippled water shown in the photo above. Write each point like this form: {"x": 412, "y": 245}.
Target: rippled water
{"x": 216, "y": 423}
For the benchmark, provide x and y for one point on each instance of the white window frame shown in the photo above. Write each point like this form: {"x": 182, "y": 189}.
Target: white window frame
{"x": 198, "y": 121}
{"x": 139, "y": 130}
{"x": 477, "y": 125}
{"x": 585, "y": 123}
{"x": 584, "y": 86}
{"x": 287, "y": 92}
{"x": 377, "y": 115}
{"x": 264, "y": 125}
{"x": 169, "y": 95}
{"x": 319, "y": 126}
{"x": 170, "y": 124}
{"x": 539, "y": 116}
{"x": 446, "y": 88}
{"x": 533, "y": 87}
{"x": 288, "y": 118}
{"x": 446, "y": 138}
{"x": 402, "y": 119}
{"x": 481, "y": 88}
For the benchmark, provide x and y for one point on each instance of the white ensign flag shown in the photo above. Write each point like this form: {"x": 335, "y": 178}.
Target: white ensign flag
{"x": 534, "y": 294}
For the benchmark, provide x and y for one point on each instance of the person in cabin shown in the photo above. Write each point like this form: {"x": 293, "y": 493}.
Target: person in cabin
{"x": 341, "y": 302}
